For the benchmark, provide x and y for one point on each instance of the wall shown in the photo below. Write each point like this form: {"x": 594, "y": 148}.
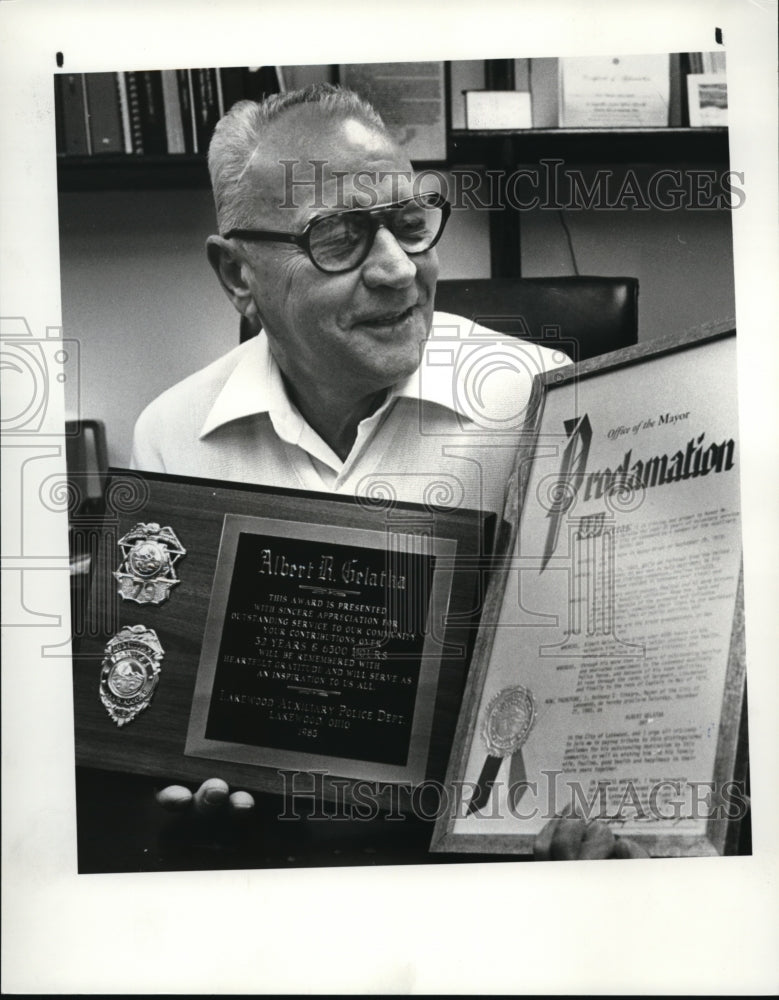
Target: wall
{"x": 140, "y": 297}
{"x": 683, "y": 258}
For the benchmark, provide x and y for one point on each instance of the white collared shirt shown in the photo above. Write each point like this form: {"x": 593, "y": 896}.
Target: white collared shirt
{"x": 447, "y": 434}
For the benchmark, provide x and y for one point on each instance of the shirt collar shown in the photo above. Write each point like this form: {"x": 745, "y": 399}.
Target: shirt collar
{"x": 255, "y": 386}
{"x": 434, "y": 381}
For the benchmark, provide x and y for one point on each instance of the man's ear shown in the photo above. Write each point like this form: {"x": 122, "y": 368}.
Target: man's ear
{"x": 228, "y": 266}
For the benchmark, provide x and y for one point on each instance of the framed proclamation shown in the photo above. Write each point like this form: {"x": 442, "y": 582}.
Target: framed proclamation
{"x": 257, "y": 633}
{"x": 609, "y": 675}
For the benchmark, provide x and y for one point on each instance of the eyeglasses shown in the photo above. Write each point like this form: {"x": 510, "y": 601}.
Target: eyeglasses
{"x": 342, "y": 242}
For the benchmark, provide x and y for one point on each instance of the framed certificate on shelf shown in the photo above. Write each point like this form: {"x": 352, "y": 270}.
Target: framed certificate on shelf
{"x": 609, "y": 671}
{"x": 614, "y": 91}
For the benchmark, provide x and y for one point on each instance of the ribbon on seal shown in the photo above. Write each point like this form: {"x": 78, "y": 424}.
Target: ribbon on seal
{"x": 507, "y": 724}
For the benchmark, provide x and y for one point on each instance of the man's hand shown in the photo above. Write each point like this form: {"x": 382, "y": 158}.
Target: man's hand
{"x": 212, "y": 800}
{"x": 568, "y": 838}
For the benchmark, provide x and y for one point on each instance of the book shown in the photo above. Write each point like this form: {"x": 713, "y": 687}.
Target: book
{"x": 59, "y": 117}
{"x": 134, "y": 113}
{"x": 205, "y": 106}
{"x": 124, "y": 112}
{"x": 74, "y": 115}
{"x": 103, "y": 115}
{"x": 152, "y": 109}
{"x": 174, "y": 124}
{"x": 184, "y": 82}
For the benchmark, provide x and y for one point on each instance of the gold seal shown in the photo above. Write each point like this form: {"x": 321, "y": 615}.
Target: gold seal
{"x": 130, "y": 672}
{"x": 146, "y": 573}
{"x": 508, "y": 721}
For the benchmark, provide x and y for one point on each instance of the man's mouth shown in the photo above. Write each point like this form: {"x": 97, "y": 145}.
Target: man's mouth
{"x": 390, "y": 318}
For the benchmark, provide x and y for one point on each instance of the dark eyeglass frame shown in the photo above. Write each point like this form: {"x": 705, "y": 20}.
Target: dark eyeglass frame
{"x": 376, "y": 217}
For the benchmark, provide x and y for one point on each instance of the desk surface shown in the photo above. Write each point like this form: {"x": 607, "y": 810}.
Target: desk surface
{"x": 122, "y": 829}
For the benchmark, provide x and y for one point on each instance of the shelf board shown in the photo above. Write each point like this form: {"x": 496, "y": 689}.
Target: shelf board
{"x": 121, "y": 172}
{"x": 112, "y": 172}
{"x": 645, "y": 145}
{"x": 105, "y": 172}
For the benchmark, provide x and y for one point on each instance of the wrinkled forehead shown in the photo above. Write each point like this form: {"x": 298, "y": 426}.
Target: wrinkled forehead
{"x": 310, "y": 165}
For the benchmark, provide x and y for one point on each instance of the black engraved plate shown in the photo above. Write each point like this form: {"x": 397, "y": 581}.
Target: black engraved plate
{"x": 321, "y": 649}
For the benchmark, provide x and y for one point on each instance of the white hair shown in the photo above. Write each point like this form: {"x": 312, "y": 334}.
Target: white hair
{"x": 239, "y": 135}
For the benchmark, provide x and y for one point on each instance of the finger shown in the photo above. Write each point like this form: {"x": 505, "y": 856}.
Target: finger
{"x": 542, "y": 845}
{"x": 567, "y": 841}
{"x": 174, "y": 797}
{"x": 624, "y": 847}
{"x": 241, "y": 802}
{"x": 211, "y": 797}
{"x": 597, "y": 843}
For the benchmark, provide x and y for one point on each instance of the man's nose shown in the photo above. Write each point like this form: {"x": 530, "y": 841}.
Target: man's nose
{"x": 388, "y": 263}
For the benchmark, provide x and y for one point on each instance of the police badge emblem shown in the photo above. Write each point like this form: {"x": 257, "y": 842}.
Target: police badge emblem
{"x": 130, "y": 673}
{"x": 147, "y": 573}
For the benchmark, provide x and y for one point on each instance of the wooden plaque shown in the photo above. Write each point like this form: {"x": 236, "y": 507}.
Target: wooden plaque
{"x": 303, "y": 634}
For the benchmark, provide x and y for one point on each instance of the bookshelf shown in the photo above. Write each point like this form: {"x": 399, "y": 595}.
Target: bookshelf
{"x": 672, "y": 146}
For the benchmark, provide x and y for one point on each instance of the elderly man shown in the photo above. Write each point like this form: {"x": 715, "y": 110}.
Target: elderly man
{"x": 326, "y": 246}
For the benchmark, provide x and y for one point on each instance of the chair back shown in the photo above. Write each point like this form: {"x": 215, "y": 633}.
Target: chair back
{"x": 86, "y": 454}
{"x": 584, "y": 316}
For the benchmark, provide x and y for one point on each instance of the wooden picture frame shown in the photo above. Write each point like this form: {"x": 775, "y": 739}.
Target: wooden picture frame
{"x": 609, "y": 670}
{"x": 707, "y": 100}
{"x": 412, "y": 100}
